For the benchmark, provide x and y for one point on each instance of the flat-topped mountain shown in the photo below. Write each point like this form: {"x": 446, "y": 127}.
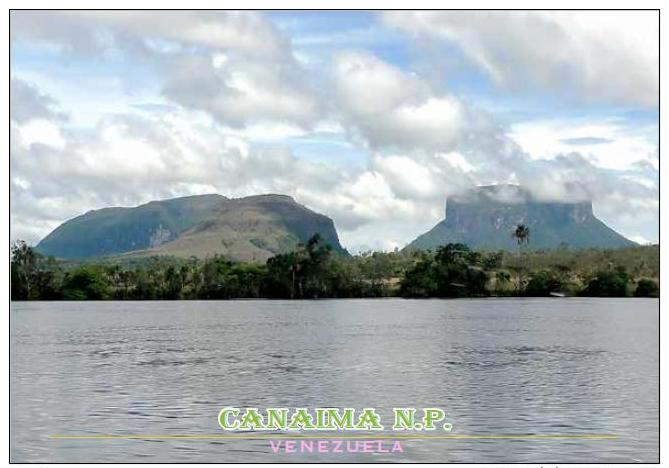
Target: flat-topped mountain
{"x": 485, "y": 218}
{"x": 245, "y": 229}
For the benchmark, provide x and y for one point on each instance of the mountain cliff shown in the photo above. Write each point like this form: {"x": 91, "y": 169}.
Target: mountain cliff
{"x": 245, "y": 229}
{"x": 485, "y": 218}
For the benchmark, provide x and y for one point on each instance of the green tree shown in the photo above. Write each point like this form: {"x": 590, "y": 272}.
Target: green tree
{"x": 455, "y": 271}
{"x": 544, "y": 282}
{"x": 33, "y": 276}
{"x": 23, "y": 271}
{"x": 173, "y": 283}
{"x": 646, "y": 288}
{"x": 315, "y": 277}
{"x": 420, "y": 281}
{"x": 608, "y": 283}
{"x": 85, "y": 283}
{"x": 302, "y": 273}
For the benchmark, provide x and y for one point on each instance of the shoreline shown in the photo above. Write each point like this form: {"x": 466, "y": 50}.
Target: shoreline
{"x": 262, "y": 299}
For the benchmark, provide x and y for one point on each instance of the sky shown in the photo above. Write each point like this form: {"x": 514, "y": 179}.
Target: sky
{"x": 371, "y": 118}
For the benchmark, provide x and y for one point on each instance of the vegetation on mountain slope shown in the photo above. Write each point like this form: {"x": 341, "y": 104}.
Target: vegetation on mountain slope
{"x": 482, "y": 217}
{"x": 245, "y": 229}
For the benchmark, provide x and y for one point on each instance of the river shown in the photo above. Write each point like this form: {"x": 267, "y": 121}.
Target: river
{"x": 560, "y": 366}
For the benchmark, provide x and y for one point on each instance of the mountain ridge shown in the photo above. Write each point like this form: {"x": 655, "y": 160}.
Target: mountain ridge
{"x": 485, "y": 218}
{"x": 245, "y": 229}
{"x": 257, "y": 227}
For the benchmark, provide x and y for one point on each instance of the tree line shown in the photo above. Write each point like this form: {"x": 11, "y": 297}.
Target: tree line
{"x": 314, "y": 271}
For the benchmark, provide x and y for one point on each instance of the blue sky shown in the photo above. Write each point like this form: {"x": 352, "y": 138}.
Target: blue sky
{"x": 371, "y": 118}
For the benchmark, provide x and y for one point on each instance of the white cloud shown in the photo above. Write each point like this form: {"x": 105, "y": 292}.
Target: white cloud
{"x": 221, "y": 83}
{"x": 240, "y": 93}
{"x": 90, "y": 32}
{"x": 608, "y": 143}
{"x": 409, "y": 178}
{"x": 387, "y": 107}
{"x": 458, "y": 162}
{"x": 128, "y": 160}
{"x": 43, "y": 132}
{"x": 593, "y": 56}
{"x": 640, "y": 240}
{"x": 236, "y": 66}
{"x": 27, "y": 103}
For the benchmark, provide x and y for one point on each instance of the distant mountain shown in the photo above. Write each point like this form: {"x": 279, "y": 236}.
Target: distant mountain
{"x": 485, "y": 218}
{"x": 245, "y": 229}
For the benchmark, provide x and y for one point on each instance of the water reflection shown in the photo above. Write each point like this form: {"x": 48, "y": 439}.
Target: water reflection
{"x": 568, "y": 366}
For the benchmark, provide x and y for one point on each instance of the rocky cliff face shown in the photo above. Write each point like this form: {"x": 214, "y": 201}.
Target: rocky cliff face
{"x": 485, "y": 218}
{"x": 246, "y": 229}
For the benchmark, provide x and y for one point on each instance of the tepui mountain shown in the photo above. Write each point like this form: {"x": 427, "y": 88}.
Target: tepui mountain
{"x": 485, "y": 218}
{"x": 258, "y": 227}
{"x": 244, "y": 229}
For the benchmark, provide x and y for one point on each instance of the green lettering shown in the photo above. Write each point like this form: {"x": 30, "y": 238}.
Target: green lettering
{"x": 432, "y": 415}
{"x": 404, "y": 418}
{"x": 339, "y": 421}
{"x": 223, "y": 418}
{"x": 301, "y": 419}
{"x": 369, "y": 420}
{"x": 251, "y": 420}
{"x": 277, "y": 418}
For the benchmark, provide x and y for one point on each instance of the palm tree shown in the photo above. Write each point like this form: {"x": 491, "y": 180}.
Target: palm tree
{"x": 522, "y": 236}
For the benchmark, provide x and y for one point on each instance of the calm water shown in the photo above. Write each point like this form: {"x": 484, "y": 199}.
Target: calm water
{"x": 555, "y": 366}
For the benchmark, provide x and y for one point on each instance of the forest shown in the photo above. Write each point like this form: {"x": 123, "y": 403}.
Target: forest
{"x": 314, "y": 271}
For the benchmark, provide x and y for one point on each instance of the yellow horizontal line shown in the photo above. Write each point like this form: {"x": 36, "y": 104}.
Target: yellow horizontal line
{"x": 337, "y": 437}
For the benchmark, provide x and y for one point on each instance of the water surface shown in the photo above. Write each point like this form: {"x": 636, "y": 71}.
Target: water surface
{"x": 497, "y": 366}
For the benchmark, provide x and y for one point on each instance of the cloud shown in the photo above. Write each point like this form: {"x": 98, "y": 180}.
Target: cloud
{"x": 27, "y": 103}
{"x": 239, "y": 93}
{"x": 90, "y": 32}
{"x": 429, "y": 163}
{"x": 585, "y": 141}
{"x": 387, "y": 107}
{"x": 594, "y": 56}
{"x": 235, "y": 66}
{"x": 640, "y": 240}
{"x": 127, "y": 160}
{"x": 611, "y": 143}
{"x": 42, "y": 132}
{"x": 227, "y": 101}
{"x": 409, "y": 178}
{"x": 572, "y": 177}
